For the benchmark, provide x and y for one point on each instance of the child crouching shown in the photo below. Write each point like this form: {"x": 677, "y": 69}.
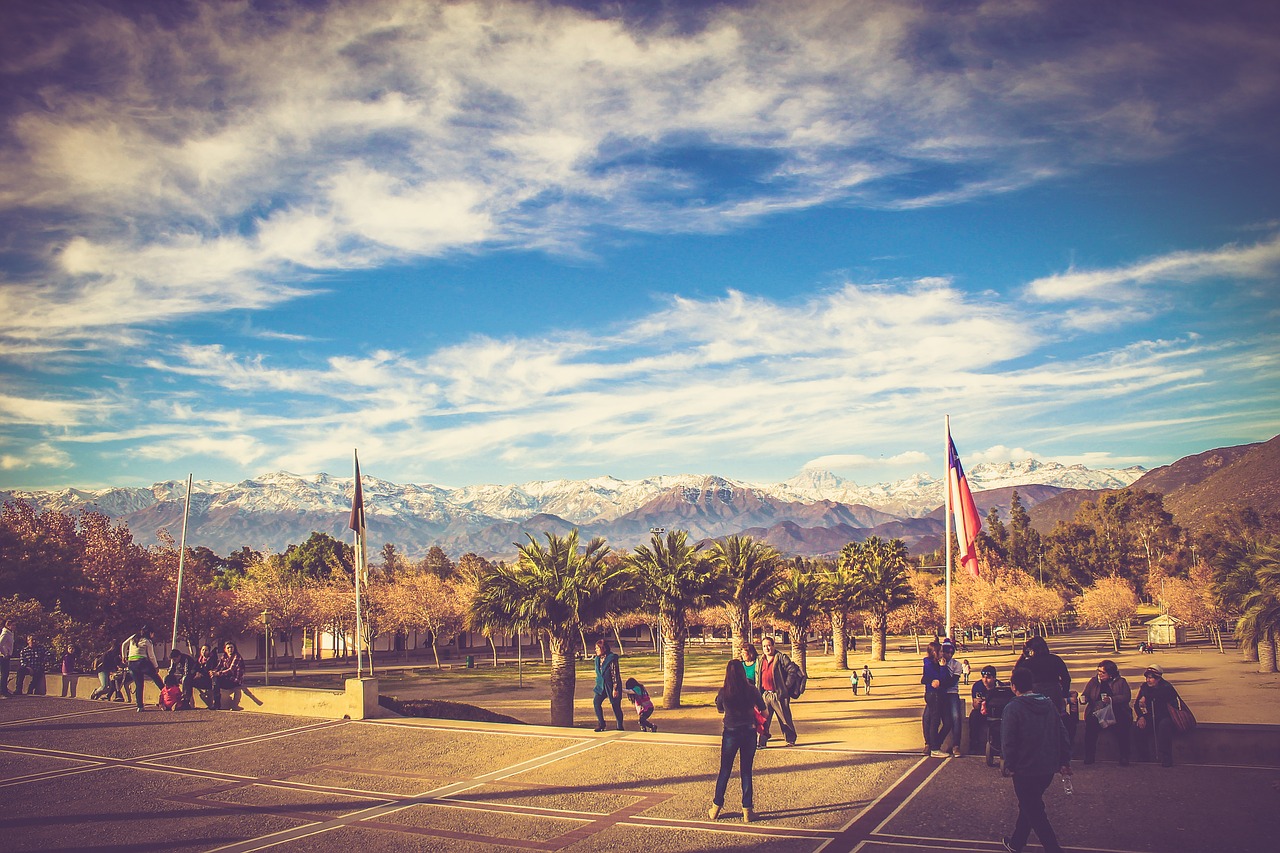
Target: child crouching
{"x": 644, "y": 705}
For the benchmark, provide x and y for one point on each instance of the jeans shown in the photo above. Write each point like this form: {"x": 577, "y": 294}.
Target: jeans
{"x": 597, "y": 700}
{"x": 4, "y": 675}
{"x": 777, "y": 704}
{"x": 139, "y": 670}
{"x": 225, "y": 682}
{"x": 104, "y": 686}
{"x": 739, "y": 741}
{"x": 1031, "y": 814}
{"x": 936, "y": 719}
{"x": 955, "y": 709}
{"x": 37, "y": 681}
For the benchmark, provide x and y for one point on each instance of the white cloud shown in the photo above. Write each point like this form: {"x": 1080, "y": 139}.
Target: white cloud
{"x": 1120, "y": 284}
{"x": 846, "y": 461}
{"x": 1000, "y": 453}
{"x": 36, "y": 455}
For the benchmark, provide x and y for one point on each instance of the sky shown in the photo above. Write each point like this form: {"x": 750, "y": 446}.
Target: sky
{"x": 494, "y": 242}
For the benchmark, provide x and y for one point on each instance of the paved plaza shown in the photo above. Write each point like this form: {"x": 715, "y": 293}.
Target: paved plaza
{"x": 81, "y": 775}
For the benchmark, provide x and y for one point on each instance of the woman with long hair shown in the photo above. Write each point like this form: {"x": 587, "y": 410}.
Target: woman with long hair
{"x": 935, "y": 721}
{"x": 1108, "y": 687}
{"x": 139, "y": 653}
{"x": 738, "y": 700}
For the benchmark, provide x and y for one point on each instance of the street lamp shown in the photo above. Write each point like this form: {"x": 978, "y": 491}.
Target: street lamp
{"x": 266, "y": 648}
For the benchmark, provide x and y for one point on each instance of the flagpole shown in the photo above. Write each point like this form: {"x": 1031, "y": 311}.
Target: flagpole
{"x": 946, "y": 454}
{"x": 182, "y": 558}
{"x": 357, "y": 523}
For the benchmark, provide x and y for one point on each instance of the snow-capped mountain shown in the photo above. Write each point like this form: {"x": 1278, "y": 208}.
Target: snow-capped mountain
{"x": 274, "y": 510}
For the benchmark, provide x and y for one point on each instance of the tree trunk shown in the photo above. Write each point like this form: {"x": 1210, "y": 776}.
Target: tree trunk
{"x": 1249, "y": 651}
{"x": 674, "y": 636}
{"x": 435, "y": 650}
{"x": 879, "y": 639}
{"x": 563, "y": 676}
{"x": 617, "y": 635}
{"x": 1115, "y": 639}
{"x": 1267, "y": 652}
{"x": 653, "y": 634}
{"x": 800, "y": 647}
{"x": 739, "y": 629}
{"x": 838, "y": 644}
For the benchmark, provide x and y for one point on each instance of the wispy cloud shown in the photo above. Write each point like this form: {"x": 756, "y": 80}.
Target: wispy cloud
{"x": 221, "y": 159}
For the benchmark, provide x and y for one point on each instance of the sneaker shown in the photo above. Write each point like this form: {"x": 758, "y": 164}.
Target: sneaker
{"x": 937, "y": 753}
{"x": 599, "y": 728}
{"x": 652, "y": 727}
{"x": 955, "y": 752}
{"x": 714, "y": 812}
{"x": 748, "y": 815}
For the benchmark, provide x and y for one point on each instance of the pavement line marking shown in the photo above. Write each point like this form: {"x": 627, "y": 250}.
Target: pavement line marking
{"x": 880, "y": 826}
{"x": 250, "y": 739}
{"x": 8, "y": 723}
{"x": 439, "y": 728}
{"x": 859, "y": 831}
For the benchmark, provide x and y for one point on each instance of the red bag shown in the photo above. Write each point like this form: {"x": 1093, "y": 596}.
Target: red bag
{"x": 1183, "y": 719}
{"x": 760, "y": 720}
{"x": 171, "y": 698}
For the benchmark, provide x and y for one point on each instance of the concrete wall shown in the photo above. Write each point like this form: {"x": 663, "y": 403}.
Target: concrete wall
{"x": 358, "y": 701}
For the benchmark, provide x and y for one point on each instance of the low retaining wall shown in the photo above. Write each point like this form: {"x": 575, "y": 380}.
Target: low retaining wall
{"x": 358, "y": 701}
{"x": 1246, "y": 744}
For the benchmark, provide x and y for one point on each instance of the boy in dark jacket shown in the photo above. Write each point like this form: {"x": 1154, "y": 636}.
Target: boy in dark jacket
{"x": 1034, "y": 744}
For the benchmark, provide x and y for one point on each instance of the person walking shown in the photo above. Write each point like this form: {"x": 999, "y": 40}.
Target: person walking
{"x": 608, "y": 685}
{"x": 139, "y": 653}
{"x": 1107, "y": 695}
{"x": 739, "y": 701}
{"x": 105, "y": 666}
{"x": 32, "y": 661}
{"x": 6, "y": 652}
{"x": 1034, "y": 744}
{"x": 866, "y": 679}
{"x": 1155, "y": 698}
{"x": 966, "y": 669}
{"x": 776, "y": 678}
{"x": 853, "y": 680}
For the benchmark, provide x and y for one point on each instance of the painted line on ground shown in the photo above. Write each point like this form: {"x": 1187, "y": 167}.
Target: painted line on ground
{"x": 882, "y": 809}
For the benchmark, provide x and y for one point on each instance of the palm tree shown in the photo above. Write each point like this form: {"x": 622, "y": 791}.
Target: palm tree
{"x": 881, "y": 582}
{"x": 750, "y": 570}
{"x": 556, "y": 588}
{"x": 838, "y": 594}
{"x": 795, "y": 602}
{"x": 673, "y": 578}
{"x": 1259, "y": 624}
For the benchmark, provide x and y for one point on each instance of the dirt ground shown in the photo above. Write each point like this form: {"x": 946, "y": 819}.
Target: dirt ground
{"x": 1220, "y": 687}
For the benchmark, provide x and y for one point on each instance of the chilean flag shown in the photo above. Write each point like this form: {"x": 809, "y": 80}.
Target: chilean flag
{"x": 966, "y": 514}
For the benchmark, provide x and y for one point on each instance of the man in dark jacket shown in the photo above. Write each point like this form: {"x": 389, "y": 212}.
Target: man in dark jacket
{"x": 1034, "y": 744}
{"x": 182, "y": 672}
{"x": 776, "y": 678}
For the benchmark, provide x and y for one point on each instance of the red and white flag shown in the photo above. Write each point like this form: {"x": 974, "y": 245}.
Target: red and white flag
{"x": 962, "y": 507}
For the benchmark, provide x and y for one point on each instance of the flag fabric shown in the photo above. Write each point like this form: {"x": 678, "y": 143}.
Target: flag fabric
{"x": 357, "y": 506}
{"x": 962, "y": 507}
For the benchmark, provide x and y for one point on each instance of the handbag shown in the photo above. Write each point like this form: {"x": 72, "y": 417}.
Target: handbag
{"x": 1183, "y": 719}
{"x": 1106, "y": 716}
{"x": 760, "y": 720}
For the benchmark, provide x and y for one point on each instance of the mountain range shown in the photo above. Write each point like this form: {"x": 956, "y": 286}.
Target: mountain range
{"x": 815, "y": 512}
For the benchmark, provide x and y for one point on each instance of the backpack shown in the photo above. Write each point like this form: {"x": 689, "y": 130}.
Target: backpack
{"x": 171, "y": 698}
{"x": 797, "y": 680}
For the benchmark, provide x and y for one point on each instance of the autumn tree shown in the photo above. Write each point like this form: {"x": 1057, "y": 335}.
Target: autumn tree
{"x": 275, "y": 587}
{"x": 1110, "y": 603}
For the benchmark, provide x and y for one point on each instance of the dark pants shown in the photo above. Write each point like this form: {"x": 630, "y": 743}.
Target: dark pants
{"x": 739, "y": 741}
{"x": 140, "y": 671}
{"x": 978, "y": 728}
{"x": 936, "y": 720}
{"x": 204, "y": 683}
{"x": 1092, "y": 730}
{"x": 775, "y": 704}
{"x": 1162, "y": 740}
{"x": 221, "y": 683}
{"x": 4, "y": 675}
{"x": 37, "y": 681}
{"x": 616, "y": 701}
{"x": 1031, "y": 814}
{"x": 644, "y": 717}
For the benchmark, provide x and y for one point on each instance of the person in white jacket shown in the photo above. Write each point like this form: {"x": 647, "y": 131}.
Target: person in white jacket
{"x": 139, "y": 654}
{"x": 6, "y": 652}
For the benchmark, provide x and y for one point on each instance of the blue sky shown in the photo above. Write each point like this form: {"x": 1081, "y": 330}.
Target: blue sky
{"x": 496, "y": 242}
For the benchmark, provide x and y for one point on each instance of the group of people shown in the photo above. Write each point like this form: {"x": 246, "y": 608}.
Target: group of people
{"x": 124, "y": 669}
{"x": 1037, "y": 726}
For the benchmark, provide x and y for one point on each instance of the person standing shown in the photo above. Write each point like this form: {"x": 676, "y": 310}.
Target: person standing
{"x": 6, "y": 652}
{"x": 749, "y": 658}
{"x": 1107, "y": 688}
{"x": 936, "y": 720}
{"x": 1053, "y": 679}
{"x": 1152, "y": 707}
{"x": 739, "y": 701}
{"x": 776, "y": 677}
{"x": 68, "y": 672}
{"x": 139, "y": 653}
{"x": 32, "y": 661}
{"x": 608, "y": 684}
{"x": 953, "y": 702}
{"x": 965, "y": 668}
{"x": 1034, "y": 744}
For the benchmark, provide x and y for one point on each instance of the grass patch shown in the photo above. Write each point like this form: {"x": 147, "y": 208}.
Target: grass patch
{"x": 441, "y": 710}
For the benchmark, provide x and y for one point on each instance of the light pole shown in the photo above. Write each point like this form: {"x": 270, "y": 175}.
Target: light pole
{"x": 266, "y": 648}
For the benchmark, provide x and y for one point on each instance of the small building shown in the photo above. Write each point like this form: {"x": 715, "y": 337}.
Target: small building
{"x": 1166, "y": 630}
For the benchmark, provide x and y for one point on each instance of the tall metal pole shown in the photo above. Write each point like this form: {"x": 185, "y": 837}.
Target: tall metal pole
{"x": 182, "y": 559}
{"x": 946, "y": 511}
